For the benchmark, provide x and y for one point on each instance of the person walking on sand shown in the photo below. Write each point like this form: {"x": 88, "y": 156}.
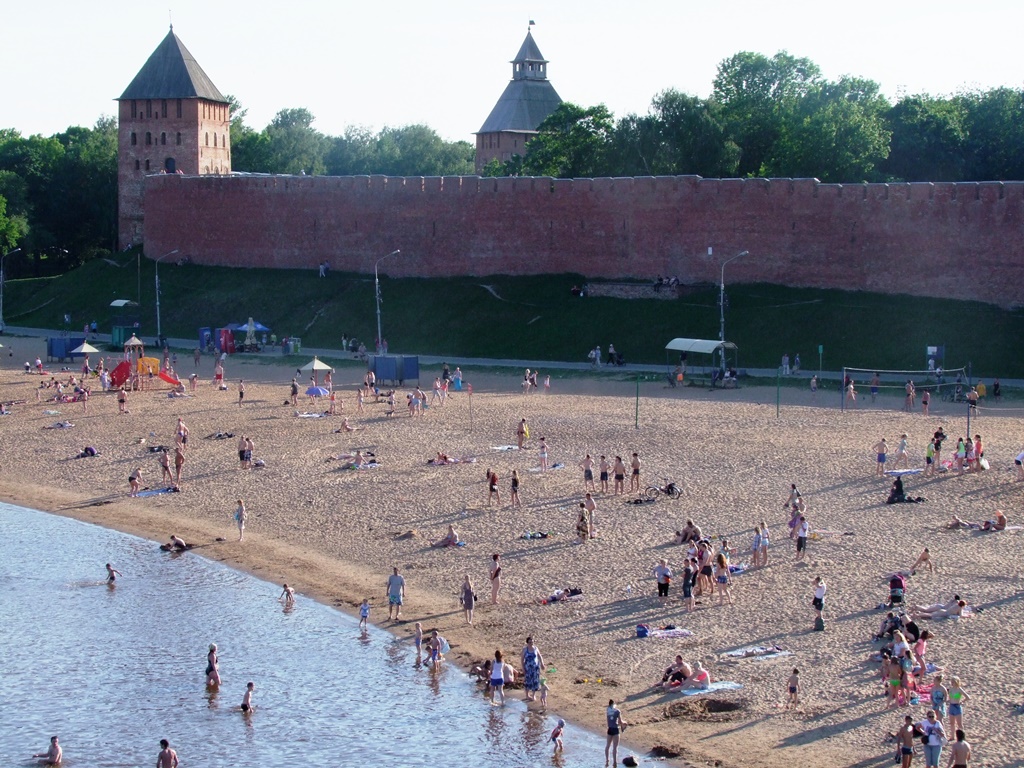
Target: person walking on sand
{"x": 543, "y": 455}
{"x": 522, "y": 432}
{"x": 819, "y": 599}
{"x": 134, "y": 481}
{"x": 241, "y": 392}
{"x": 495, "y": 577}
{"x": 122, "y": 400}
{"x": 615, "y": 727}
{"x": 587, "y": 465}
{"x": 241, "y": 451}
{"x": 53, "y": 755}
{"x": 591, "y": 506}
{"x": 634, "y": 478}
{"x": 468, "y": 599}
{"x": 851, "y": 394}
{"x": 604, "y": 467}
{"x": 492, "y": 487}
{"x": 934, "y": 733}
{"x": 723, "y": 579}
{"x": 905, "y": 739}
{"x": 881, "y": 450}
{"x": 516, "y": 503}
{"x": 902, "y": 454}
{"x": 167, "y": 758}
{"x": 396, "y": 594}
{"x": 240, "y": 518}
{"x": 294, "y": 393}
{"x": 250, "y": 446}
{"x": 212, "y": 667}
{"x": 926, "y": 399}
{"x": 793, "y": 684}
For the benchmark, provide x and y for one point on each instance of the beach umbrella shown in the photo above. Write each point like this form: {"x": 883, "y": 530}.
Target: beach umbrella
{"x": 84, "y": 349}
{"x": 316, "y": 365}
{"x": 134, "y": 341}
{"x": 318, "y": 392}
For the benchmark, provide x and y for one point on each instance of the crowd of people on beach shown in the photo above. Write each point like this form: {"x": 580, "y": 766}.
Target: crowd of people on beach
{"x": 705, "y": 572}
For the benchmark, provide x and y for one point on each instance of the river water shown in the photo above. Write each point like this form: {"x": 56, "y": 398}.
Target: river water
{"x": 112, "y": 670}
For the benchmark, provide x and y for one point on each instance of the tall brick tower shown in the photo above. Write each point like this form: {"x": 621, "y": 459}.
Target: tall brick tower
{"x": 171, "y": 119}
{"x": 526, "y": 101}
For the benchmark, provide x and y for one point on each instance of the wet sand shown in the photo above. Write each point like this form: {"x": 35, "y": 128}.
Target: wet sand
{"x": 334, "y": 534}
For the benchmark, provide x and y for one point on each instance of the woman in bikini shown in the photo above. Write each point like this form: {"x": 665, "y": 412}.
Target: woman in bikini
{"x": 723, "y": 578}
{"x": 957, "y": 697}
{"x": 495, "y": 577}
{"x": 515, "y": 489}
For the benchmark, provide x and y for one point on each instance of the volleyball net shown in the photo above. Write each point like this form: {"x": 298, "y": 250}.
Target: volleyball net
{"x": 946, "y": 383}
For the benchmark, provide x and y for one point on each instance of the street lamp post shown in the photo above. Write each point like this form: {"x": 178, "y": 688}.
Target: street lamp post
{"x": 3, "y": 325}
{"x": 721, "y": 303}
{"x": 157, "y": 268}
{"x": 376, "y": 284}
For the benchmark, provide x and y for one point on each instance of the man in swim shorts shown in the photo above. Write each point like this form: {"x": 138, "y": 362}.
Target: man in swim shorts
{"x": 53, "y": 755}
{"x": 881, "y": 450}
{"x": 587, "y": 465}
{"x": 396, "y": 594}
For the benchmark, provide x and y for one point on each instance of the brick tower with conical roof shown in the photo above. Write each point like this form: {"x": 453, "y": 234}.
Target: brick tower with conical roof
{"x": 525, "y": 103}
{"x": 171, "y": 119}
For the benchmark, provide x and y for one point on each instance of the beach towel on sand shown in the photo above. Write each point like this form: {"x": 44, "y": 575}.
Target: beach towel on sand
{"x": 504, "y": 447}
{"x": 156, "y": 491}
{"x": 757, "y": 652}
{"x": 662, "y": 633}
{"x": 721, "y": 685}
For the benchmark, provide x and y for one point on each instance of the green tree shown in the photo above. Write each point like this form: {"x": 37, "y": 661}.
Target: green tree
{"x": 417, "y": 150}
{"x": 995, "y": 125}
{"x": 758, "y": 96}
{"x": 352, "y": 154}
{"x": 12, "y": 228}
{"x": 836, "y": 132}
{"x": 294, "y": 146}
{"x": 929, "y": 138}
{"x": 572, "y": 142}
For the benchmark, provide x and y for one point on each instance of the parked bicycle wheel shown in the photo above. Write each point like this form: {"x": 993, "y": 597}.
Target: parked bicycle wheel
{"x": 652, "y": 492}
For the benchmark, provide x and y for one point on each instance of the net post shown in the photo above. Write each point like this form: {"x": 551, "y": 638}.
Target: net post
{"x": 842, "y": 392}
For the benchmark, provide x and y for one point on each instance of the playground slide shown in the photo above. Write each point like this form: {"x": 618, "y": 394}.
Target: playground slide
{"x": 169, "y": 379}
{"x": 120, "y": 374}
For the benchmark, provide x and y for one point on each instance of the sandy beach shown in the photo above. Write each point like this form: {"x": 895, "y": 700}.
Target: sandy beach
{"x": 335, "y": 534}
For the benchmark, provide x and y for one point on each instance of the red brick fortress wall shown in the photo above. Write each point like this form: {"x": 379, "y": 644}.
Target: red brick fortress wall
{"x": 945, "y": 240}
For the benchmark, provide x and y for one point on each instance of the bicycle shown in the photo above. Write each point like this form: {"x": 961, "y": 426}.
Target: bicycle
{"x": 669, "y": 489}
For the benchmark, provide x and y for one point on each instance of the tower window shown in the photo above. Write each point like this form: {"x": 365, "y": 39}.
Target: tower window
{"x": 223, "y": 139}
{"x": 215, "y": 139}
{"x": 179, "y": 110}
{"x": 179, "y": 139}
{"x": 207, "y": 139}
{"x": 163, "y": 138}
{"x": 149, "y": 138}
{"x": 163, "y": 108}
{"x": 135, "y": 109}
{"x": 135, "y": 139}
{"x": 149, "y": 108}
{"x": 147, "y": 165}
{"x": 136, "y": 165}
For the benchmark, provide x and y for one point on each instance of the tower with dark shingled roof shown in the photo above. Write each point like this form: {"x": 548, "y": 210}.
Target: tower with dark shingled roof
{"x": 171, "y": 119}
{"x": 527, "y": 100}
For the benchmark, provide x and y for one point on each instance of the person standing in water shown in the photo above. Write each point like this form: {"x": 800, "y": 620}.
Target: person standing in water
{"x": 615, "y": 726}
{"x": 247, "y": 705}
{"x": 212, "y": 667}
{"x": 288, "y": 595}
{"x": 167, "y": 758}
{"x": 53, "y": 755}
{"x": 112, "y": 574}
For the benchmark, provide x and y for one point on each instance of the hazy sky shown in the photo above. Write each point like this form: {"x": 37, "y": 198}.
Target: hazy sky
{"x": 445, "y": 63}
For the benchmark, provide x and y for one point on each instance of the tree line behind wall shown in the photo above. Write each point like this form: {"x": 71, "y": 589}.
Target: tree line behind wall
{"x": 778, "y": 117}
{"x": 766, "y": 116}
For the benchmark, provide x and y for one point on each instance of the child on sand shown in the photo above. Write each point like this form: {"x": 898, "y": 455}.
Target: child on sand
{"x": 544, "y": 692}
{"x": 794, "y": 689}
{"x": 240, "y": 517}
{"x": 364, "y": 613}
{"x": 556, "y": 735}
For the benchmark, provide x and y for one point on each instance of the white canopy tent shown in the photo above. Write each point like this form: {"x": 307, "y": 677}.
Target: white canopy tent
{"x": 709, "y": 347}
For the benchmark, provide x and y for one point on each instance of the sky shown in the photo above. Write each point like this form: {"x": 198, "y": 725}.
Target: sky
{"x": 445, "y": 63}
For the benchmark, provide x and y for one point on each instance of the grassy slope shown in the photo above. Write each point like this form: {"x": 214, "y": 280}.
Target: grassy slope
{"x": 536, "y": 317}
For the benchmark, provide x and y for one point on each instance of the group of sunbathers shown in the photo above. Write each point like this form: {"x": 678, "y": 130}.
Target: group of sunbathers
{"x": 998, "y": 524}
{"x": 680, "y": 676}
